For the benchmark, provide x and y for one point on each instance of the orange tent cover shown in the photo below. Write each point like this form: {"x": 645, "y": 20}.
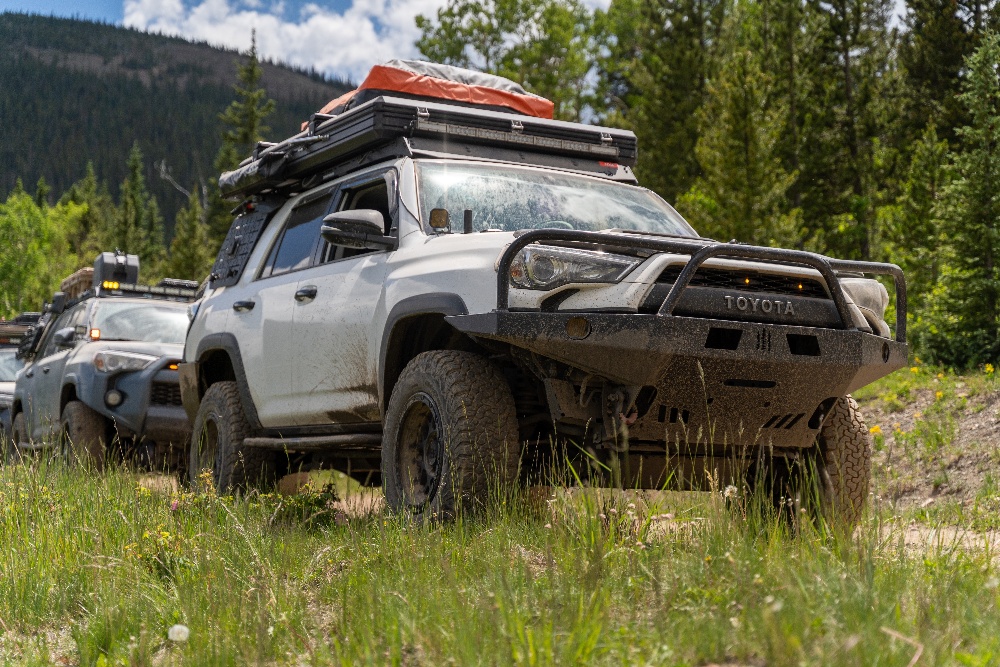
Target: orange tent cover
{"x": 446, "y": 83}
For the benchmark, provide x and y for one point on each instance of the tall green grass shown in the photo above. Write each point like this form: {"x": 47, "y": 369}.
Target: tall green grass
{"x": 95, "y": 569}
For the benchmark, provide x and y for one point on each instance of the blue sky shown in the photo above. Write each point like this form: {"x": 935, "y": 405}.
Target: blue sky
{"x": 309, "y": 33}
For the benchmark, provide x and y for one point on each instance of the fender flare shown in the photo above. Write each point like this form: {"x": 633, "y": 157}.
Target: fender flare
{"x": 432, "y": 303}
{"x": 226, "y": 342}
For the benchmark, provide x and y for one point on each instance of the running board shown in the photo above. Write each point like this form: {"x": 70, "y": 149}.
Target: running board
{"x": 365, "y": 441}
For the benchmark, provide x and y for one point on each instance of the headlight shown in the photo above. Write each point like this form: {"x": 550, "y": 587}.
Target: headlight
{"x": 547, "y": 267}
{"x": 121, "y": 362}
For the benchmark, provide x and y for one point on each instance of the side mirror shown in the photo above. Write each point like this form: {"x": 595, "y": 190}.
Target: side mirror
{"x": 65, "y": 337}
{"x": 361, "y": 230}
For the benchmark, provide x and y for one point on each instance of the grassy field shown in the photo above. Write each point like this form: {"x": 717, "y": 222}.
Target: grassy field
{"x": 94, "y": 570}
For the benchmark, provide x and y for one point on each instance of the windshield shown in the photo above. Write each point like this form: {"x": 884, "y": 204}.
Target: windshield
{"x": 511, "y": 198}
{"x": 149, "y": 322}
{"x": 9, "y": 365}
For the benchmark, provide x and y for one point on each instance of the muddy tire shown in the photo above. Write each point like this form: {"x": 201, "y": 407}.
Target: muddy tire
{"x": 451, "y": 438}
{"x": 217, "y": 444}
{"x": 18, "y": 434}
{"x": 843, "y": 461}
{"x": 85, "y": 434}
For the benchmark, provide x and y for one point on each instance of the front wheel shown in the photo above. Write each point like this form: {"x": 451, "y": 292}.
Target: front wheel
{"x": 844, "y": 463}
{"x": 85, "y": 434}
{"x": 18, "y": 436}
{"x": 451, "y": 435}
{"x": 217, "y": 444}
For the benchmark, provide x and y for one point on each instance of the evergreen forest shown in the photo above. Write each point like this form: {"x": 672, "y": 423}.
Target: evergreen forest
{"x": 863, "y": 129}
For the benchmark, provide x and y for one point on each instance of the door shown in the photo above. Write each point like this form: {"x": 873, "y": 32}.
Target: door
{"x": 262, "y": 323}
{"x": 335, "y": 375}
{"x": 43, "y": 411}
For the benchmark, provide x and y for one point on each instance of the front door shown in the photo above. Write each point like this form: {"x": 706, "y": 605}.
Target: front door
{"x": 335, "y": 376}
{"x": 42, "y": 403}
{"x": 263, "y": 322}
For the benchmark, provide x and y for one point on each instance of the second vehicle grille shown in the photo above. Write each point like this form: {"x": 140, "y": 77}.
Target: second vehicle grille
{"x": 166, "y": 393}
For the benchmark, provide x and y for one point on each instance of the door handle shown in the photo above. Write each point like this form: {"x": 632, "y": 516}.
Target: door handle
{"x": 45, "y": 369}
{"x": 243, "y": 306}
{"x": 306, "y": 293}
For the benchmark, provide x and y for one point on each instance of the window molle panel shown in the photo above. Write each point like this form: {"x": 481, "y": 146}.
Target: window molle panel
{"x": 748, "y": 281}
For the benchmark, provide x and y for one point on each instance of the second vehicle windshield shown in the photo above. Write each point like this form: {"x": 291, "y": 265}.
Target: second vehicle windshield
{"x": 149, "y": 322}
{"x": 509, "y": 198}
{"x": 9, "y": 365}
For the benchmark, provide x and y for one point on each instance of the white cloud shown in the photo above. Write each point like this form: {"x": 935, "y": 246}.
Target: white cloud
{"x": 344, "y": 43}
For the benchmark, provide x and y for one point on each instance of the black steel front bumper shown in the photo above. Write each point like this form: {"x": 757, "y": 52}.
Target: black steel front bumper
{"x": 715, "y": 380}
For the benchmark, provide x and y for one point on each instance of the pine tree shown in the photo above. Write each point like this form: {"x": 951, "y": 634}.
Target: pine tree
{"x": 931, "y": 55}
{"x": 847, "y": 151}
{"x": 914, "y": 230}
{"x": 245, "y": 126}
{"x": 138, "y": 228}
{"x": 961, "y": 327}
{"x": 658, "y": 57}
{"x": 741, "y": 193}
{"x": 97, "y": 221}
{"x": 191, "y": 256}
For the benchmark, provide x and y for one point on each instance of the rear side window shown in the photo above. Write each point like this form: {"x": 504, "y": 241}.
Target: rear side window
{"x": 294, "y": 250}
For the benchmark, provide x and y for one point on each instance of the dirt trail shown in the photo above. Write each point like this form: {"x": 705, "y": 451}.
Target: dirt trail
{"x": 960, "y": 466}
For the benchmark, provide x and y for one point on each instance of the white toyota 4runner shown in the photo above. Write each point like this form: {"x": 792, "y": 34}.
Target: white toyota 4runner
{"x": 445, "y": 322}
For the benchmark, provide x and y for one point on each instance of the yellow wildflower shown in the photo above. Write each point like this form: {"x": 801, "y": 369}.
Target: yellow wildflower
{"x": 938, "y": 395}
{"x": 988, "y": 368}
{"x": 914, "y": 369}
{"x": 917, "y": 360}
{"x": 918, "y": 415}
{"x": 875, "y": 430}
{"x": 940, "y": 376}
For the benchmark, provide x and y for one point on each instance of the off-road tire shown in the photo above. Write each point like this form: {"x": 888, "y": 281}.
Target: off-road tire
{"x": 85, "y": 434}
{"x": 17, "y": 434}
{"x": 467, "y": 402}
{"x": 843, "y": 461}
{"x": 220, "y": 429}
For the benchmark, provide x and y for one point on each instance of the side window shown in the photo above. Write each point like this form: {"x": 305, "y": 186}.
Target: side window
{"x": 68, "y": 319}
{"x": 373, "y": 195}
{"x": 294, "y": 249}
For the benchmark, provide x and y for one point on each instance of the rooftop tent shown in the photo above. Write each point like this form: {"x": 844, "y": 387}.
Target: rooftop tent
{"x": 419, "y": 79}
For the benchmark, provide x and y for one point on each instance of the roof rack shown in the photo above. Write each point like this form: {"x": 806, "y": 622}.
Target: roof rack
{"x": 389, "y": 126}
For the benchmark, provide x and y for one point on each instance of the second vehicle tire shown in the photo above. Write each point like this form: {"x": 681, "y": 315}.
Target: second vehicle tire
{"x": 217, "y": 444}
{"x": 451, "y": 437}
{"x": 85, "y": 433}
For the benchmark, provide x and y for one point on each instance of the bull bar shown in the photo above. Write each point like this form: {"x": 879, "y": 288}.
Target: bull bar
{"x": 702, "y": 250}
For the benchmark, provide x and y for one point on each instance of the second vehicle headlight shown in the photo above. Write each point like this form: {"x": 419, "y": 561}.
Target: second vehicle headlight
{"x": 547, "y": 267}
{"x": 111, "y": 361}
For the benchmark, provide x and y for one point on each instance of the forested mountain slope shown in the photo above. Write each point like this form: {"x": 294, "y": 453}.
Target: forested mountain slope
{"x": 74, "y": 91}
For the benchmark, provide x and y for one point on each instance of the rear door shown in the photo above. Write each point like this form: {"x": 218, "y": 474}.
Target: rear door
{"x": 262, "y": 323}
{"x": 335, "y": 371}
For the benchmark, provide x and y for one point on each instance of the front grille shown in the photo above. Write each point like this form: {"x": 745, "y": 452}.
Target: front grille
{"x": 166, "y": 393}
{"x": 748, "y": 281}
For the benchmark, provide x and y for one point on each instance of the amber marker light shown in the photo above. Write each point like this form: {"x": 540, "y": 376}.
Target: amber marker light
{"x": 172, "y": 367}
{"x": 110, "y": 284}
{"x": 746, "y": 281}
{"x": 95, "y": 334}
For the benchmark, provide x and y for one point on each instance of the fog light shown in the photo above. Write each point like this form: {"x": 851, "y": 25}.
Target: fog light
{"x": 113, "y": 398}
{"x": 577, "y": 327}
